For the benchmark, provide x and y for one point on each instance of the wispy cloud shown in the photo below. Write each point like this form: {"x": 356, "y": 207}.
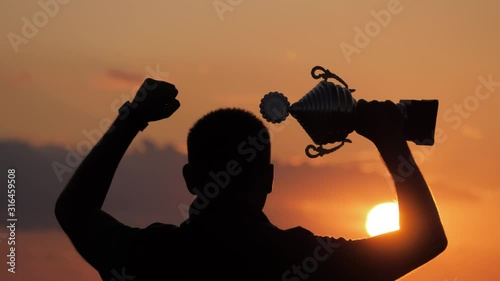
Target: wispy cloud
{"x": 124, "y": 76}
{"x": 114, "y": 79}
{"x": 471, "y": 132}
{"x": 18, "y": 79}
{"x": 152, "y": 179}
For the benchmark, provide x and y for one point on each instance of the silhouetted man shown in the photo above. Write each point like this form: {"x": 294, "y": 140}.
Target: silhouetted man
{"x": 227, "y": 236}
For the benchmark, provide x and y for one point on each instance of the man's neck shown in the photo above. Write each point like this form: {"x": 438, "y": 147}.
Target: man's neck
{"x": 224, "y": 214}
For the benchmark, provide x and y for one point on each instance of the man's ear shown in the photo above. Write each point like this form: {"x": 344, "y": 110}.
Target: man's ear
{"x": 269, "y": 178}
{"x": 189, "y": 178}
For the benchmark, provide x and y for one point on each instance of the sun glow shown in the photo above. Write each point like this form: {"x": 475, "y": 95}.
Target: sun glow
{"x": 382, "y": 218}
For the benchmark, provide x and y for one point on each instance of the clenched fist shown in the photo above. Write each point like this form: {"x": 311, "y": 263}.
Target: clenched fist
{"x": 154, "y": 101}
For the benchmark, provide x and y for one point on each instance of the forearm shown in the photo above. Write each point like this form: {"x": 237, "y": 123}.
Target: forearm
{"x": 420, "y": 236}
{"x": 418, "y": 212}
{"x": 90, "y": 183}
{"x": 89, "y": 186}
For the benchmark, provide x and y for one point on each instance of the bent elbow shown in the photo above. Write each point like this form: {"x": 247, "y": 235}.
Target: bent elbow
{"x": 436, "y": 239}
{"x": 441, "y": 243}
{"x": 63, "y": 211}
{"x": 434, "y": 244}
{"x": 426, "y": 245}
{"x": 59, "y": 212}
{"x": 431, "y": 238}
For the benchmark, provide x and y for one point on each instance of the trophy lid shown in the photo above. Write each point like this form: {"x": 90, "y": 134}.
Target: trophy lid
{"x": 274, "y": 107}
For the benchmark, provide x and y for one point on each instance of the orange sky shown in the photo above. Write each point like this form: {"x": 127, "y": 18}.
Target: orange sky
{"x": 69, "y": 74}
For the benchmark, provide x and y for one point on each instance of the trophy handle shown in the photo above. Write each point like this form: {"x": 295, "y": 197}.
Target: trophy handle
{"x": 321, "y": 150}
{"x": 327, "y": 74}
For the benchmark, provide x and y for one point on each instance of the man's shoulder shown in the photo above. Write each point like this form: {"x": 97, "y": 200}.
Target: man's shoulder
{"x": 300, "y": 231}
{"x": 302, "y": 238}
{"x": 158, "y": 229}
{"x": 161, "y": 226}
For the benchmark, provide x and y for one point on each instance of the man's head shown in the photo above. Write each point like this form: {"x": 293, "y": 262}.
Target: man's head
{"x": 229, "y": 159}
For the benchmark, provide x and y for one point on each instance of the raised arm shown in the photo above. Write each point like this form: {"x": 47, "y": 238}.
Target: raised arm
{"x": 421, "y": 236}
{"x": 78, "y": 208}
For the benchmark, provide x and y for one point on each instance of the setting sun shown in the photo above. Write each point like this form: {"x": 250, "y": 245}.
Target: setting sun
{"x": 383, "y": 218}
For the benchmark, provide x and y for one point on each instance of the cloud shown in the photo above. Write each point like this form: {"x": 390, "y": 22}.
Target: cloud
{"x": 47, "y": 255}
{"x": 471, "y": 132}
{"x": 124, "y": 76}
{"x": 149, "y": 187}
{"x": 455, "y": 193}
{"x": 36, "y": 186}
{"x": 119, "y": 80}
{"x": 18, "y": 79}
